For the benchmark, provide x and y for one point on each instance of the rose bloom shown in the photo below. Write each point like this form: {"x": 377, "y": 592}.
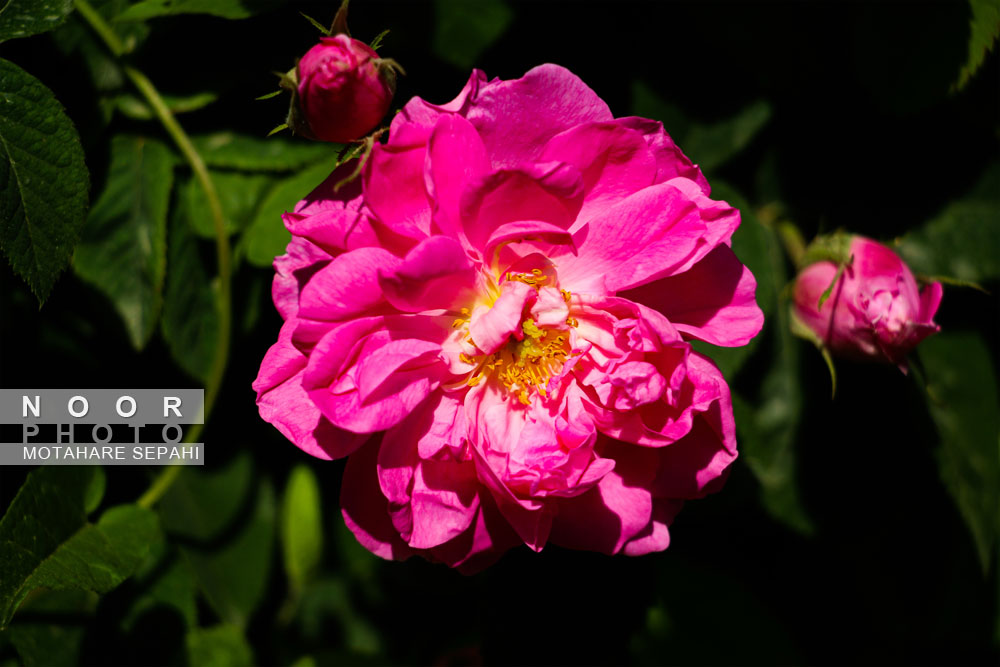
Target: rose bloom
{"x": 506, "y": 299}
{"x": 875, "y": 312}
{"x": 342, "y": 92}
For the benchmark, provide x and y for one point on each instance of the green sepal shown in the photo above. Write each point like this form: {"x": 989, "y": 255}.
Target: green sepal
{"x": 316, "y": 24}
{"x": 377, "y": 42}
{"x": 834, "y": 248}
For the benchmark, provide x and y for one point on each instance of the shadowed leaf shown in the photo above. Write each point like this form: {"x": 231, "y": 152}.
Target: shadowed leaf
{"x": 43, "y": 180}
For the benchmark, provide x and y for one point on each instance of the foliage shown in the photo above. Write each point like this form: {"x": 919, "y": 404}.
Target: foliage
{"x": 879, "y": 505}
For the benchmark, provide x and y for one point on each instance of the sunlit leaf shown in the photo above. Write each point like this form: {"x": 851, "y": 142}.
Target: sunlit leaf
{"x": 965, "y": 405}
{"x": 48, "y": 543}
{"x": 133, "y": 107}
{"x": 239, "y": 194}
{"x": 21, "y": 18}
{"x": 464, "y": 30}
{"x": 984, "y": 27}
{"x": 961, "y": 242}
{"x": 229, "y": 150}
{"x": 709, "y": 145}
{"x": 230, "y": 9}
{"x": 301, "y": 526}
{"x": 122, "y": 249}
{"x": 219, "y": 646}
{"x": 266, "y": 237}
{"x": 43, "y": 180}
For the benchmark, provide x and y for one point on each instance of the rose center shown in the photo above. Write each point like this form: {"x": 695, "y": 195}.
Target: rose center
{"x": 535, "y": 351}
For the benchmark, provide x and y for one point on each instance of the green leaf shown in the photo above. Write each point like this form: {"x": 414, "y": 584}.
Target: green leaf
{"x": 122, "y": 250}
{"x": 48, "y": 543}
{"x": 962, "y": 241}
{"x": 965, "y": 405}
{"x": 767, "y": 425}
{"x": 76, "y": 39}
{"x": 329, "y": 599}
{"x": 229, "y": 150}
{"x": 708, "y": 145}
{"x": 229, "y": 9}
{"x": 751, "y": 244}
{"x": 232, "y": 522}
{"x": 22, "y": 18}
{"x": 984, "y": 28}
{"x": 167, "y": 582}
{"x": 266, "y": 237}
{"x": 44, "y": 643}
{"x": 43, "y": 180}
{"x": 94, "y": 492}
{"x": 221, "y": 646}
{"x": 133, "y": 107}
{"x": 301, "y": 526}
{"x": 464, "y": 30}
{"x": 239, "y": 194}
{"x": 190, "y": 320}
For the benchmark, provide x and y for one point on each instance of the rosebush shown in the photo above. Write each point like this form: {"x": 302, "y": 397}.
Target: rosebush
{"x": 508, "y": 293}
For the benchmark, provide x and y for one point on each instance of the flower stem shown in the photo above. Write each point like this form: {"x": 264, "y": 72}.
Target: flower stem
{"x": 223, "y": 257}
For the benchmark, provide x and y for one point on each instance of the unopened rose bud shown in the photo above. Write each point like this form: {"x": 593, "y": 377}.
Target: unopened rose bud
{"x": 344, "y": 88}
{"x": 875, "y": 309}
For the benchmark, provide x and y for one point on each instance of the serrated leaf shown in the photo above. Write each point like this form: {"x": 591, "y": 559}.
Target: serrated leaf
{"x": 965, "y": 405}
{"x": 229, "y": 9}
{"x": 190, "y": 321}
{"x": 301, "y": 526}
{"x": 464, "y": 30}
{"x": 709, "y": 145}
{"x": 47, "y": 541}
{"x": 220, "y": 646}
{"x": 239, "y": 195}
{"x": 231, "y": 523}
{"x": 43, "y": 180}
{"x": 229, "y": 150}
{"x": 22, "y": 18}
{"x": 962, "y": 241}
{"x": 122, "y": 250}
{"x": 984, "y": 28}
{"x": 266, "y": 237}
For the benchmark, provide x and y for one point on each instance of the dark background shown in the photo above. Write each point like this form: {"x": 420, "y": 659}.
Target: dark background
{"x": 864, "y": 135}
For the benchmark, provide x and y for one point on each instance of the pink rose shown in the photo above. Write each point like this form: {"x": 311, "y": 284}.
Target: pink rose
{"x": 506, "y": 297}
{"x": 343, "y": 92}
{"x": 874, "y": 312}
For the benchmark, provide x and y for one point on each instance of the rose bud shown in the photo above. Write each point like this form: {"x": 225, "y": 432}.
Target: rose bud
{"x": 344, "y": 88}
{"x": 862, "y": 302}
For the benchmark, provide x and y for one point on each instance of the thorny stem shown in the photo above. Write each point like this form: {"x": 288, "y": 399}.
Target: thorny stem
{"x": 223, "y": 256}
